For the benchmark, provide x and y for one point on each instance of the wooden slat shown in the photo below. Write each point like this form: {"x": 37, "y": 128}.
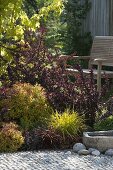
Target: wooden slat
{"x": 87, "y": 71}
{"x": 102, "y": 47}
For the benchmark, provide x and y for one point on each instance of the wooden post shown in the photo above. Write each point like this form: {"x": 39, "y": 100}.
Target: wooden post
{"x": 99, "y": 77}
{"x": 90, "y": 64}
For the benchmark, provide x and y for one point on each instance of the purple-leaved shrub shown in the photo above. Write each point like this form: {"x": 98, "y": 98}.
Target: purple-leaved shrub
{"x": 33, "y": 63}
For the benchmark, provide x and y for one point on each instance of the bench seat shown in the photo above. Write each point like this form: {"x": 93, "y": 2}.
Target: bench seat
{"x": 101, "y": 55}
{"x": 87, "y": 71}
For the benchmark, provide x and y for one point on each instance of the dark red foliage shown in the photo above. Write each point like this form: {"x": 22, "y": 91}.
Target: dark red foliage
{"x": 42, "y": 139}
{"x": 3, "y": 91}
{"x": 34, "y": 64}
{"x": 3, "y": 95}
{"x": 80, "y": 95}
{"x": 47, "y": 139}
{"x": 29, "y": 60}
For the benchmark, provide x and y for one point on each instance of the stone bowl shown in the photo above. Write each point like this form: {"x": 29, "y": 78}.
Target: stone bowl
{"x": 101, "y": 140}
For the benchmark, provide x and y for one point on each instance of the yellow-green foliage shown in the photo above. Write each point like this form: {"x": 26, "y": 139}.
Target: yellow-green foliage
{"x": 68, "y": 123}
{"x": 11, "y": 138}
{"x": 12, "y": 11}
{"x": 28, "y": 104}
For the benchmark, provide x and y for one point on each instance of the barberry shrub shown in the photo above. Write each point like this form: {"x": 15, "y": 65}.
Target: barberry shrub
{"x": 11, "y": 138}
{"x": 32, "y": 63}
{"x": 42, "y": 139}
{"x": 80, "y": 95}
{"x": 27, "y": 105}
{"x": 48, "y": 139}
{"x": 29, "y": 59}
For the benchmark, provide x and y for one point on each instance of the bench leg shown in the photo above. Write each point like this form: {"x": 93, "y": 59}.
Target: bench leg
{"x": 99, "y": 77}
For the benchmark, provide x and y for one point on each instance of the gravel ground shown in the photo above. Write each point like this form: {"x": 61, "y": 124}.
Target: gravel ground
{"x": 54, "y": 160}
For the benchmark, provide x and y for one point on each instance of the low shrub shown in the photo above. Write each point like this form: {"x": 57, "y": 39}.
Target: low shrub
{"x": 80, "y": 94}
{"x": 3, "y": 96}
{"x": 42, "y": 139}
{"x": 106, "y": 124}
{"x": 108, "y": 106}
{"x": 105, "y": 117}
{"x": 69, "y": 123}
{"x": 11, "y": 138}
{"x": 27, "y": 105}
{"x": 48, "y": 139}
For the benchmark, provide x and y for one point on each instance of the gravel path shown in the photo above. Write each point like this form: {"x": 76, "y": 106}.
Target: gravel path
{"x": 54, "y": 160}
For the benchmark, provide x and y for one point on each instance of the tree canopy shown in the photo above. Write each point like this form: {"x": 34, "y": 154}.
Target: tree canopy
{"x": 15, "y": 20}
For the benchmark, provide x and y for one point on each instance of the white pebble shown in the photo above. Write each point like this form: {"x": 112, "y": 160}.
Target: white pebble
{"x": 83, "y": 152}
{"x": 95, "y": 153}
{"x": 109, "y": 152}
{"x": 78, "y": 146}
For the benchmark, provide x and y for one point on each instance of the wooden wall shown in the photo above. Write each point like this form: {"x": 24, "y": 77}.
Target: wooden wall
{"x": 99, "y": 19}
{"x": 111, "y": 17}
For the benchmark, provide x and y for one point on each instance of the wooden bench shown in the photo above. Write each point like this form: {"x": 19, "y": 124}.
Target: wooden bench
{"x": 101, "y": 55}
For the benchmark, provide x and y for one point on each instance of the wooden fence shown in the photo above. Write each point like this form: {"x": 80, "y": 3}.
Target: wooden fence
{"x": 99, "y": 19}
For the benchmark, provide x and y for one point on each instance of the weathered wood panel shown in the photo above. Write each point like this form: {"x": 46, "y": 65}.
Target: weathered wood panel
{"x": 111, "y": 18}
{"x": 99, "y": 19}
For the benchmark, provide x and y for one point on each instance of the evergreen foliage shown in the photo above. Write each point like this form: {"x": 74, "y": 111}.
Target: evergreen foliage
{"x": 73, "y": 15}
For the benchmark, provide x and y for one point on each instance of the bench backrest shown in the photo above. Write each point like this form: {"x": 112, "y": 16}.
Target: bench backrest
{"x": 102, "y": 48}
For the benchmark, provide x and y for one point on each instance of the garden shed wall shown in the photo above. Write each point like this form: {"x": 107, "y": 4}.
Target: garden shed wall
{"x": 99, "y": 19}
